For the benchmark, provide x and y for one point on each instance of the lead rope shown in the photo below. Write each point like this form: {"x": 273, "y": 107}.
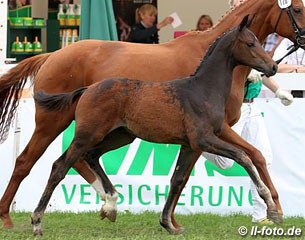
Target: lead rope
{"x": 292, "y": 48}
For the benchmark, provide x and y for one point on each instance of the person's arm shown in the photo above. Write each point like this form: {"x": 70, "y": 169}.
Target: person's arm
{"x": 290, "y": 68}
{"x": 286, "y": 97}
{"x": 165, "y": 22}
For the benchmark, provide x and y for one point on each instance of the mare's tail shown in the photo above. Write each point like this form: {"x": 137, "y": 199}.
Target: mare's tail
{"x": 59, "y": 101}
{"x": 11, "y": 86}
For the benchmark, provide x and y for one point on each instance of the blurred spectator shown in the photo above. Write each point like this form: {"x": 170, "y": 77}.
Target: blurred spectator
{"x": 146, "y": 29}
{"x": 204, "y": 22}
{"x": 271, "y": 42}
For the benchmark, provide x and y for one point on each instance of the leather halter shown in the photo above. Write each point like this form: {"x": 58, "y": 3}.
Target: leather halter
{"x": 300, "y": 37}
{"x": 299, "y": 33}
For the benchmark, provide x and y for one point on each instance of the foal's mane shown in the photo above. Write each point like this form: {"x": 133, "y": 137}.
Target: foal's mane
{"x": 214, "y": 44}
{"x": 210, "y": 50}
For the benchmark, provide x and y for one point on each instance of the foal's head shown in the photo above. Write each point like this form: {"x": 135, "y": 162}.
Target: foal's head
{"x": 247, "y": 50}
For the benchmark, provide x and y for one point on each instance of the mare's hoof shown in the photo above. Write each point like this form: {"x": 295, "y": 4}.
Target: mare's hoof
{"x": 171, "y": 229}
{"x": 109, "y": 213}
{"x": 8, "y": 225}
{"x": 7, "y": 221}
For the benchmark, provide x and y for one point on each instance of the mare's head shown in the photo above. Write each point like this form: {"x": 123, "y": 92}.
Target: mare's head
{"x": 288, "y": 19}
{"x": 247, "y": 50}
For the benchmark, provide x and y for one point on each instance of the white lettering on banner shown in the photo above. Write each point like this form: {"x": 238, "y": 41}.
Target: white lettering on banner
{"x": 140, "y": 194}
{"x": 205, "y": 191}
{"x": 135, "y": 195}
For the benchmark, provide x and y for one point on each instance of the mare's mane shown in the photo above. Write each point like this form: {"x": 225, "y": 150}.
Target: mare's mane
{"x": 228, "y": 12}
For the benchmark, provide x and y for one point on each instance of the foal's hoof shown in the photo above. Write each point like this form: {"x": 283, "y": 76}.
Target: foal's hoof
{"x": 171, "y": 229}
{"x": 275, "y": 217}
{"x": 36, "y": 224}
{"x": 37, "y": 232}
{"x": 280, "y": 217}
{"x": 108, "y": 213}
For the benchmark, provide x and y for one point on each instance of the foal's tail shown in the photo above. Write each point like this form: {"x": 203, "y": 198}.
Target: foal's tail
{"x": 11, "y": 86}
{"x": 59, "y": 101}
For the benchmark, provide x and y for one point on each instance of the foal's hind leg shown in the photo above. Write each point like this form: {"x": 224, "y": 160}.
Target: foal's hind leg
{"x": 185, "y": 163}
{"x": 84, "y": 140}
{"x": 215, "y": 145}
{"x": 48, "y": 127}
{"x": 113, "y": 140}
{"x": 59, "y": 170}
{"x": 109, "y": 209}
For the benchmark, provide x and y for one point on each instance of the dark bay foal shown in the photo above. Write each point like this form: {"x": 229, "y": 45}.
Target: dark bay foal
{"x": 187, "y": 111}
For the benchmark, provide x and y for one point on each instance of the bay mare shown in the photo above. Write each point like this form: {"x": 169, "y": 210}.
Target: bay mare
{"x": 188, "y": 111}
{"x": 89, "y": 61}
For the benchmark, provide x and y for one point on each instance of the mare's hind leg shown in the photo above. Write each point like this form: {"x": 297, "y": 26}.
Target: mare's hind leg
{"x": 48, "y": 127}
{"x": 215, "y": 145}
{"x": 258, "y": 160}
{"x": 185, "y": 163}
{"x": 113, "y": 140}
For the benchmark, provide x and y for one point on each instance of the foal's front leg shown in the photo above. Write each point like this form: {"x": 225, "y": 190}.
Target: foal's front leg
{"x": 258, "y": 160}
{"x": 185, "y": 163}
{"x": 213, "y": 144}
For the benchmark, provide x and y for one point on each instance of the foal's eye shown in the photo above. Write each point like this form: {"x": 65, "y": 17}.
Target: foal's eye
{"x": 297, "y": 10}
{"x": 250, "y": 44}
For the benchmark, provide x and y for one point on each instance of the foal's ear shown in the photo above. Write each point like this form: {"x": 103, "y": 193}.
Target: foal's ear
{"x": 244, "y": 23}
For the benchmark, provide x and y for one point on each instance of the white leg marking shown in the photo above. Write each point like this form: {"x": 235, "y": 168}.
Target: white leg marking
{"x": 110, "y": 202}
{"x": 98, "y": 187}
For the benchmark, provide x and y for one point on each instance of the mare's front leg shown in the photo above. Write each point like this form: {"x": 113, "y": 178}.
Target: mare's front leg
{"x": 258, "y": 160}
{"x": 215, "y": 145}
{"x": 42, "y": 137}
{"x": 113, "y": 140}
{"x": 185, "y": 163}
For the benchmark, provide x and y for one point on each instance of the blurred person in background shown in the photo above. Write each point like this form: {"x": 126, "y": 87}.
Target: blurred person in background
{"x": 146, "y": 29}
{"x": 204, "y": 22}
